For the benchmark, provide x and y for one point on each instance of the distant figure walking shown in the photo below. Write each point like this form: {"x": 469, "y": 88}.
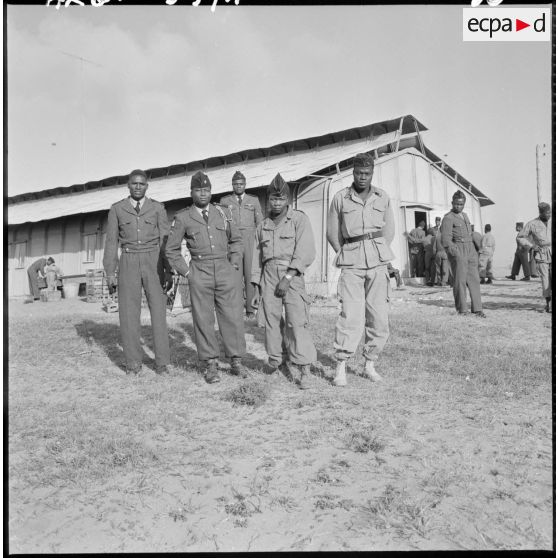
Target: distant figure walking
{"x": 458, "y": 241}
{"x": 35, "y": 274}
{"x": 521, "y": 258}
{"x": 486, "y": 256}
{"x": 537, "y": 236}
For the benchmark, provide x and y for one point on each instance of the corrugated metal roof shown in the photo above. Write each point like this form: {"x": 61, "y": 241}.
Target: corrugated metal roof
{"x": 409, "y": 124}
{"x": 259, "y": 172}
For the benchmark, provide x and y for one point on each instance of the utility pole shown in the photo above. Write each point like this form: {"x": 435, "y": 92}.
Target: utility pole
{"x": 538, "y": 150}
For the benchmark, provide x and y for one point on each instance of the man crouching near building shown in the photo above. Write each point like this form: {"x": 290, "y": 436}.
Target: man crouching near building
{"x": 360, "y": 229}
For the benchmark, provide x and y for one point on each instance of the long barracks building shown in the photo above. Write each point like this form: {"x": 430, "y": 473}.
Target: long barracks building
{"x": 69, "y": 223}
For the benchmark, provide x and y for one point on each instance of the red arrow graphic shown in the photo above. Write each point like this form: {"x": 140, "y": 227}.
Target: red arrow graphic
{"x": 519, "y": 25}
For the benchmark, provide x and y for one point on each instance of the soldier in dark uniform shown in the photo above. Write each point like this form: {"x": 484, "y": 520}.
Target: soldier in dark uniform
{"x": 215, "y": 245}
{"x": 247, "y": 215}
{"x": 139, "y": 225}
{"x": 283, "y": 250}
{"x": 35, "y": 274}
{"x": 457, "y": 240}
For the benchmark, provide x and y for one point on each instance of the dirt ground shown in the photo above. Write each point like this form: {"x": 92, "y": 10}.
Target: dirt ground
{"x": 452, "y": 451}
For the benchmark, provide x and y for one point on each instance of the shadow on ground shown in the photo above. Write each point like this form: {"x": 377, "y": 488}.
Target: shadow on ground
{"x": 488, "y": 305}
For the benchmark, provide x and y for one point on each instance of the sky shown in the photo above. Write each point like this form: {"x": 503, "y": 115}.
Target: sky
{"x": 94, "y": 92}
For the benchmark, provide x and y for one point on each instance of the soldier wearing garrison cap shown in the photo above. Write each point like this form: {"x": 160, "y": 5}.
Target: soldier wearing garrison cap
{"x": 247, "y": 215}
{"x": 215, "y": 246}
{"x": 360, "y": 228}
{"x": 521, "y": 257}
{"x": 537, "y": 236}
{"x": 283, "y": 250}
{"x": 457, "y": 240}
{"x": 139, "y": 225}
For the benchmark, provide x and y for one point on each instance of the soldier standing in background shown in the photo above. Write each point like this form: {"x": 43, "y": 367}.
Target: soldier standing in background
{"x": 429, "y": 264}
{"x": 140, "y": 226}
{"x": 360, "y": 228}
{"x": 521, "y": 258}
{"x": 537, "y": 236}
{"x": 35, "y": 273}
{"x": 215, "y": 246}
{"x": 416, "y": 250}
{"x": 486, "y": 256}
{"x": 457, "y": 240}
{"x": 247, "y": 215}
{"x": 283, "y": 250}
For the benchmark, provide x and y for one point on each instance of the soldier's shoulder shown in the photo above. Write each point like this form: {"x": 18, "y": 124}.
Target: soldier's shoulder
{"x": 448, "y": 214}
{"x": 223, "y": 209}
{"x": 251, "y": 198}
{"x": 120, "y": 203}
{"x": 299, "y": 215}
{"x": 157, "y": 203}
{"x": 382, "y": 193}
{"x": 182, "y": 213}
{"x": 224, "y": 199}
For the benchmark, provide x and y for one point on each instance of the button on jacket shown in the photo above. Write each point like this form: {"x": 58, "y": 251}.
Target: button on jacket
{"x": 134, "y": 232}
{"x": 218, "y": 238}
{"x": 291, "y": 242}
{"x": 351, "y": 216}
{"x": 248, "y": 215}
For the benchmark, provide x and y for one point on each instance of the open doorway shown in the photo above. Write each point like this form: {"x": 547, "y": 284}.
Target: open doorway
{"x": 420, "y": 216}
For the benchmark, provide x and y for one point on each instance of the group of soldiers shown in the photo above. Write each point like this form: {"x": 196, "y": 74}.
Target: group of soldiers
{"x": 239, "y": 258}
{"x": 242, "y": 262}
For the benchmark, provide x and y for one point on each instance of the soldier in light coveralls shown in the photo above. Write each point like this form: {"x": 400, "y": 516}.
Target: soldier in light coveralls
{"x": 360, "y": 228}
{"x": 247, "y": 215}
{"x": 283, "y": 250}
{"x": 215, "y": 246}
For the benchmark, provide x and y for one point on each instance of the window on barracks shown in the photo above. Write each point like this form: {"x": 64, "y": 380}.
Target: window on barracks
{"x": 89, "y": 245}
{"x": 20, "y": 250}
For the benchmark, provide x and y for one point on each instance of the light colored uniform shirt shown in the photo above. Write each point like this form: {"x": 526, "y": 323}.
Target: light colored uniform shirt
{"x": 248, "y": 214}
{"x": 538, "y": 235}
{"x": 349, "y": 216}
{"x": 488, "y": 244}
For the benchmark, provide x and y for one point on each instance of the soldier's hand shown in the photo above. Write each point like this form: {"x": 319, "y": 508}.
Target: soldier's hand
{"x": 255, "y": 302}
{"x": 111, "y": 283}
{"x": 282, "y": 287}
{"x": 167, "y": 282}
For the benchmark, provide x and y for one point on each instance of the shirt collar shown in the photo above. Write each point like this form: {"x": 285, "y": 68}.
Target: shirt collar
{"x": 199, "y": 209}
{"x": 134, "y": 202}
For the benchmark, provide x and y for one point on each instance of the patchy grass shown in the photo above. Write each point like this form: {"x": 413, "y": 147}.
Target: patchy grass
{"x": 452, "y": 451}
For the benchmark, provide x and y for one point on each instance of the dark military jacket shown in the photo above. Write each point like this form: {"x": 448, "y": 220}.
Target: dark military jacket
{"x": 134, "y": 232}
{"x": 218, "y": 238}
{"x": 245, "y": 216}
{"x": 456, "y": 228}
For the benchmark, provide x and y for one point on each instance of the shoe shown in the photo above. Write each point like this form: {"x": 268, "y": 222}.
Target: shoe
{"x": 526, "y": 278}
{"x": 340, "y": 379}
{"x": 479, "y": 314}
{"x": 162, "y": 369}
{"x": 302, "y": 380}
{"x": 133, "y": 369}
{"x": 512, "y": 277}
{"x": 250, "y": 316}
{"x": 212, "y": 372}
{"x": 489, "y": 281}
{"x": 270, "y": 369}
{"x": 482, "y": 281}
{"x": 237, "y": 369}
{"x": 370, "y": 372}
{"x": 462, "y": 313}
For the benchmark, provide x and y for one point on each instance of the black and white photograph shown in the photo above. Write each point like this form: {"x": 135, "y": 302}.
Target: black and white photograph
{"x": 279, "y": 278}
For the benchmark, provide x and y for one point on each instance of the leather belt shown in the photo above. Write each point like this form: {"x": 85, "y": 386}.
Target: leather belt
{"x": 134, "y": 249}
{"x": 376, "y": 234}
{"x": 278, "y": 261}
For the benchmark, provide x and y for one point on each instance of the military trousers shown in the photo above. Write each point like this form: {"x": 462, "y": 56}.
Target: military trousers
{"x": 465, "y": 270}
{"x": 364, "y": 296}
{"x": 215, "y": 289}
{"x": 33, "y": 277}
{"x": 429, "y": 267}
{"x": 485, "y": 266}
{"x": 288, "y": 337}
{"x": 442, "y": 268}
{"x": 521, "y": 260}
{"x": 248, "y": 239}
{"x": 417, "y": 264}
{"x": 545, "y": 273}
{"x": 137, "y": 270}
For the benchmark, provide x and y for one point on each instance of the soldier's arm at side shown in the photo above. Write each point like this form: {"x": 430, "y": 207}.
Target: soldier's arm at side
{"x": 258, "y": 215}
{"x": 172, "y": 248}
{"x": 389, "y": 227}
{"x": 446, "y": 233}
{"x": 305, "y": 248}
{"x": 235, "y": 245}
{"x": 164, "y": 228}
{"x": 333, "y": 233}
{"x": 524, "y": 237}
{"x": 110, "y": 256}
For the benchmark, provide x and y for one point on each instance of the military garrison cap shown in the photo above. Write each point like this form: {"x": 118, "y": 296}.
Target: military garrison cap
{"x": 458, "y": 195}
{"x": 238, "y": 176}
{"x": 278, "y": 187}
{"x": 363, "y": 160}
{"x": 200, "y": 180}
{"x": 543, "y": 206}
{"x": 519, "y": 224}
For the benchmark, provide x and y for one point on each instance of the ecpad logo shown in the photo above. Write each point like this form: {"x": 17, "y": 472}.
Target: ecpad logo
{"x": 506, "y": 24}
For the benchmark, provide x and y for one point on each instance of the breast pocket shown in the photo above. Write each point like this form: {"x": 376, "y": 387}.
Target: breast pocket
{"x": 127, "y": 228}
{"x": 149, "y": 227}
{"x": 377, "y": 215}
{"x": 192, "y": 238}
